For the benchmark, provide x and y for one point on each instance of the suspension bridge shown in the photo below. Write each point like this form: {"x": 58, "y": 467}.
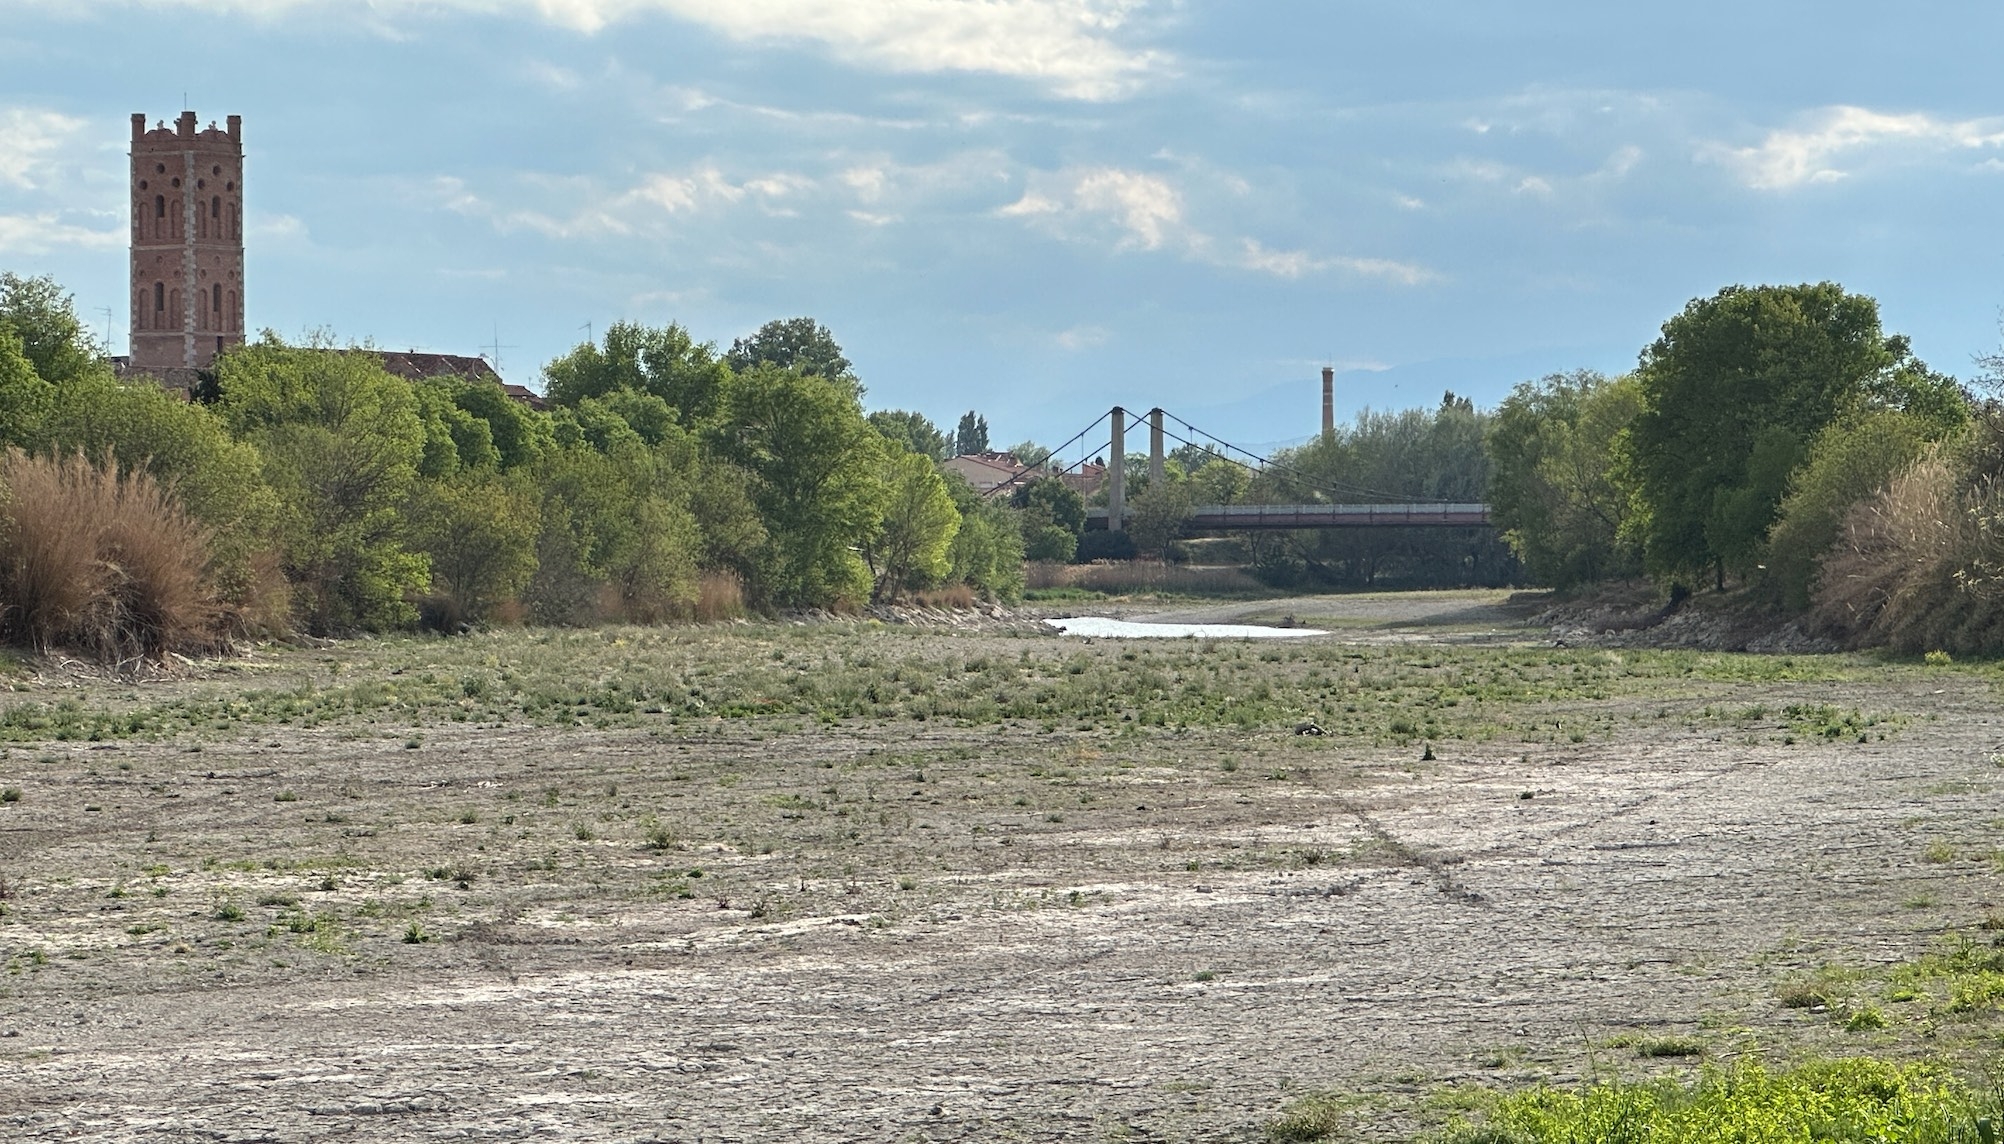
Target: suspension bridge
{"x": 1338, "y": 505}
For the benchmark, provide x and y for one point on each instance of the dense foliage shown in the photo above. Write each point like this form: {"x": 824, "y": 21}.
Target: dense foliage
{"x": 665, "y": 480}
{"x": 1777, "y": 436}
{"x": 1412, "y": 456}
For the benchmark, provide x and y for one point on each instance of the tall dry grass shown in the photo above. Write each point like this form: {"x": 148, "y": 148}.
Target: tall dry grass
{"x": 1920, "y": 565}
{"x": 719, "y": 596}
{"x": 101, "y": 562}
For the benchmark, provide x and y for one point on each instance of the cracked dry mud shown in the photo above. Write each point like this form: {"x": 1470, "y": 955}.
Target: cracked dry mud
{"x": 906, "y": 931}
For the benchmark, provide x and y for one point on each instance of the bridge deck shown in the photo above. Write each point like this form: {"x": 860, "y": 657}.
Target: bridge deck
{"x": 1235, "y": 517}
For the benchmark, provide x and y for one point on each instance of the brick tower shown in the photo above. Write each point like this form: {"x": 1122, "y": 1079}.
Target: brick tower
{"x": 187, "y": 243}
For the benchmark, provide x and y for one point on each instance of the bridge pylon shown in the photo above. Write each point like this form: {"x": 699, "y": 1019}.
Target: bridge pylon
{"x": 1116, "y": 475}
{"x": 1155, "y": 472}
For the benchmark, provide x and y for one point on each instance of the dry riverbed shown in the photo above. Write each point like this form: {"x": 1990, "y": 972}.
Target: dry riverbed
{"x": 856, "y": 882}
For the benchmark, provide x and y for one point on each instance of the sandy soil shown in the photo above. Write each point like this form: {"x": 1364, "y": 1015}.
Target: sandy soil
{"x": 717, "y": 933}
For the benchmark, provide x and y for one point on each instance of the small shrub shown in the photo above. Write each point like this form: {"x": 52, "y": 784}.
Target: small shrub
{"x": 1937, "y": 658}
{"x": 10, "y": 794}
{"x": 414, "y": 935}
{"x": 229, "y": 911}
{"x": 1865, "y": 1018}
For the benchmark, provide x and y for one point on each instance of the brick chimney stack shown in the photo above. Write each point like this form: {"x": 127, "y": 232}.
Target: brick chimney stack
{"x": 1328, "y": 401}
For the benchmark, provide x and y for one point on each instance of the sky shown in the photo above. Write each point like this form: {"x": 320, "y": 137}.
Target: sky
{"x": 1041, "y": 208}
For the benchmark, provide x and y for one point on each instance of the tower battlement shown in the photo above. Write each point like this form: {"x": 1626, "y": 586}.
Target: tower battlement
{"x": 187, "y": 242}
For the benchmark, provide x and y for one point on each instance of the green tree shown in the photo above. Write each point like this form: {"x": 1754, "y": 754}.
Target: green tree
{"x": 800, "y": 344}
{"x": 1052, "y": 501}
{"x": 971, "y": 435}
{"x": 912, "y": 432}
{"x": 1159, "y": 515}
{"x": 1553, "y": 487}
{"x": 666, "y": 362}
{"x": 1029, "y": 453}
{"x": 1218, "y": 481}
{"x": 910, "y": 548}
{"x": 341, "y": 442}
{"x": 53, "y": 339}
{"x": 519, "y": 434}
{"x": 1052, "y": 516}
{"x": 479, "y": 530}
{"x": 814, "y": 464}
{"x": 1734, "y": 391}
{"x": 618, "y": 537}
{"x": 454, "y": 438}
{"x": 987, "y": 552}
{"x": 24, "y": 397}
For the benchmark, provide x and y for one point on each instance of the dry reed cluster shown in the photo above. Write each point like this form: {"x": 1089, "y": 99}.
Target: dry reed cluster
{"x": 1920, "y": 565}
{"x": 101, "y": 561}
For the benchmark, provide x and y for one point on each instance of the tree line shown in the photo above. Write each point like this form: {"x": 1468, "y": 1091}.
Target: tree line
{"x": 1775, "y": 440}
{"x": 1772, "y": 438}
{"x": 306, "y": 488}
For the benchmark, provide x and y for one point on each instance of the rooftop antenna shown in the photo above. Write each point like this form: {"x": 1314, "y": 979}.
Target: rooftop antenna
{"x": 106, "y": 311}
{"x": 590, "y": 338}
{"x": 497, "y": 347}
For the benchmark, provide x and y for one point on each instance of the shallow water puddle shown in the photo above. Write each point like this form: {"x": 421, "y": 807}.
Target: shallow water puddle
{"x": 1103, "y": 628}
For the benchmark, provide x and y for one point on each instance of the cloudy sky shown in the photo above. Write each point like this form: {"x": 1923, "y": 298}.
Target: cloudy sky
{"x": 1039, "y": 208}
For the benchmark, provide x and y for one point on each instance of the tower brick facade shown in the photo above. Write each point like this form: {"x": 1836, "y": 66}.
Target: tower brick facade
{"x": 187, "y": 243}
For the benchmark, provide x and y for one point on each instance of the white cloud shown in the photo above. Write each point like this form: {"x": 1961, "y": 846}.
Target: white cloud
{"x": 1280, "y": 263}
{"x": 30, "y": 141}
{"x": 1080, "y": 338}
{"x": 1146, "y": 212}
{"x": 40, "y": 233}
{"x": 1838, "y": 138}
{"x": 1068, "y": 46}
{"x": 1296, "y": 263}
{"x": 1146, "y": 208}
{"x": 689, "y": 191}
{"x": 279, "y": 226}
{"x": 1403, "y": 273}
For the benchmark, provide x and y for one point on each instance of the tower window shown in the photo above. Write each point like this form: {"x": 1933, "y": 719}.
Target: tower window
{"x": 159, "y": 297}
{"x": 216, "y": 206}
{"x": 216, "y": 293}
{"x": 159, "y": 206}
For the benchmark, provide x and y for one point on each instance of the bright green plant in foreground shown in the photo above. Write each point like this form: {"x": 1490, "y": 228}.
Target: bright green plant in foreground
{"x": 1860, "y": 1099}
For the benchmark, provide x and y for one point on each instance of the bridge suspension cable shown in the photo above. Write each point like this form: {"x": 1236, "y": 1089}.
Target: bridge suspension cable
{"x": 1306, "y": 480}
{"x": 1016, "y": 478}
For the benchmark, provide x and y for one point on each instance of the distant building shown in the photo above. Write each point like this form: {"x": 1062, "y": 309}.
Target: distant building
{"x": 991, "y": 472}
{"x": 187, "y": 244}
{"x": 414, "y": 366}
{"x": 188, "y": 262}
